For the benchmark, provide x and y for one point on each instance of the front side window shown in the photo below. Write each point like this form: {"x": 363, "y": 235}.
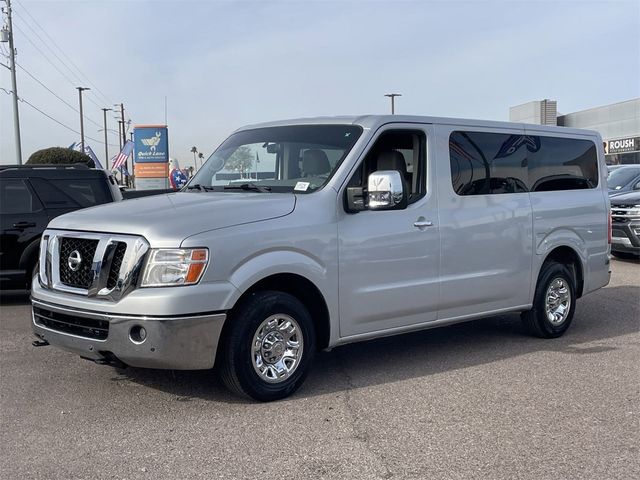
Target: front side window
{"x": 296, "y": 158}
{"x": 400, "y": 150}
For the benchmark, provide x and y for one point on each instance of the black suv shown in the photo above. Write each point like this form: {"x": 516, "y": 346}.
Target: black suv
{"x": 30, "y": 197}
{"x": 625, "y": 225}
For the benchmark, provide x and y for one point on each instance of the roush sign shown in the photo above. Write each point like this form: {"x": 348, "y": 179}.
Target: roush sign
{"x": 622, "y": 145}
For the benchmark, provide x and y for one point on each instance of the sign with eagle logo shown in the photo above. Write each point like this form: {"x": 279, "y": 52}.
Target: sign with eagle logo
{"x": 151, "y": 143}
{"x": 151, "y": 155}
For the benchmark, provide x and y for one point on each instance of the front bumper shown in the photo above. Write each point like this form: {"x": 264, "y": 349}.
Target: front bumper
{"x": 624, "y": 238}
{"x": 185, "y": 342}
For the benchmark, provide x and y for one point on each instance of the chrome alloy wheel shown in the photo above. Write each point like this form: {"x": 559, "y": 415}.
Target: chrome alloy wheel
{"x": 276, "y": 350}
{"x": 557, "y": 301}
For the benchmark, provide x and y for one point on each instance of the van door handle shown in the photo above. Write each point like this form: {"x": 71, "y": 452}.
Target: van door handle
{"x": 422, "y": 224}
{"x": 24, "y": 225}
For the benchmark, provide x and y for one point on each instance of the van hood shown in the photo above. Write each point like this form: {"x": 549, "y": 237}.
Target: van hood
{"x": 166, "y": 220}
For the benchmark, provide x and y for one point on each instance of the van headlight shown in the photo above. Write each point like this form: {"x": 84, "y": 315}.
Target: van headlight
{"x": 168, "y": 267}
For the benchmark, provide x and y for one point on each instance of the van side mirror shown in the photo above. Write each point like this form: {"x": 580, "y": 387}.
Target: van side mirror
{"x": 636, "y": 186}
{"x": 386, "y": 190}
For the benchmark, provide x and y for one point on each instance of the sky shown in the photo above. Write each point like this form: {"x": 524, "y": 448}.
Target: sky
{"x": 225, "y": 64}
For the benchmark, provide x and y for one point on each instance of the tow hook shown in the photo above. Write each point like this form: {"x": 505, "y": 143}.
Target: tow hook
{"x": 39, "y": 343}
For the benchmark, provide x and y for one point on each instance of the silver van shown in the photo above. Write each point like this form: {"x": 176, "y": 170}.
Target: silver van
{"x": 308, "y": 234}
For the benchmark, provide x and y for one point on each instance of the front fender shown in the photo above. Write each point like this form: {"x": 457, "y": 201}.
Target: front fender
{"x": 266, "y": 263}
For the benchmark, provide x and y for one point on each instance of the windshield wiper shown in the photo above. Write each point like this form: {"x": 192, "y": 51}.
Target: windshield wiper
{"x": 197, "y": 186}
{"x": 248, "y": 186}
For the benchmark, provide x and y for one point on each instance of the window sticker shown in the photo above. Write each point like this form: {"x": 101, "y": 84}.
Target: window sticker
{"x": 301, "y": 186}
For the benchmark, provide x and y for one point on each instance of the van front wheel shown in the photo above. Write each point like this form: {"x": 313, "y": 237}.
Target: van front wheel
{"x": 554, "y": 302}
{"x": 268, "y": 347}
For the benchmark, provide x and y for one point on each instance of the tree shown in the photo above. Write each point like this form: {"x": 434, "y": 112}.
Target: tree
{"x": 58, "y": 156}
{"x": 241, "y": 160}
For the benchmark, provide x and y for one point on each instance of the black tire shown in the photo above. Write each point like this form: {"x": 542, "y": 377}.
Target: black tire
{"x": 536, "y": 319}
{"x": 237, "y": 364}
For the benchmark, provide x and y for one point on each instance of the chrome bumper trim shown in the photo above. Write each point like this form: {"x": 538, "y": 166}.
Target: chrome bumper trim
{"x": 179, "y": 342}
{"x": 621, "y": 241}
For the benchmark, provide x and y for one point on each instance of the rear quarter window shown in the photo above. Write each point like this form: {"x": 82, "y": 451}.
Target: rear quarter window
{"x": 497, "y": 163}
{"x": 15, "y": 197}
{"x": 71, "y": 193}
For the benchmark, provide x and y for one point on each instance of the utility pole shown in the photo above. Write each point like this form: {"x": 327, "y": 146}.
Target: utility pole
{"x": 106, "y": 146}
{"x": 124, "y": 133}
{"x": 393, "y": 96}
{"x": 120, "y": 130}
{"x": 12, "y": 66}
{"x": 132, "y": 173}
{"x": 80, "y": 90}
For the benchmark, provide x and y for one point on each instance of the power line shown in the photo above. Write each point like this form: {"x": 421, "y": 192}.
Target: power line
{"x": 23, "y": 8}
{"x": 46, "y": 57}
{"x": 56, "y": 95}
{"x": 24, "y": 20}
{"x": 8, "y": 92}
{"x": 71, "y": 82}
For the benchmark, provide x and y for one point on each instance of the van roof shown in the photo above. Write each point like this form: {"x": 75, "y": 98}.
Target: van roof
{"x": 375, "y": 121}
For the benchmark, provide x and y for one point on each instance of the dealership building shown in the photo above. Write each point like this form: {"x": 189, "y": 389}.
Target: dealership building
{"x": 618, "y": 123}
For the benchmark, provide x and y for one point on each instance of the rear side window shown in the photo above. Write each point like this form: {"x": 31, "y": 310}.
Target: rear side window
{"x": 15, "y": 197}
{"x": 483, "y": 163}
{"x": 494, "y": 163}
{"x": 71, "y": 193}
{"x": 563, "y": 164}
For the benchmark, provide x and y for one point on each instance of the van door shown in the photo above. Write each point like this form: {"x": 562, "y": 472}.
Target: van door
{"x": 389, "y": 260}
{"x": 485, "y": 219}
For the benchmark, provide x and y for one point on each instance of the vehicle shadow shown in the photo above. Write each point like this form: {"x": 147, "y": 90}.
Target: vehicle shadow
{"x": 603, "y": 315}
{"x": 630, "y": 260}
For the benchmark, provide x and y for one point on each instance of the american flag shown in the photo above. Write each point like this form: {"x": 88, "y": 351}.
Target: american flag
{"x": 123, "y": 155}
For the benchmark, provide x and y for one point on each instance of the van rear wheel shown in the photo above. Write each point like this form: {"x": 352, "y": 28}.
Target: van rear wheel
{"x": 269, "y": 346}
{"x": 554, "y": 302}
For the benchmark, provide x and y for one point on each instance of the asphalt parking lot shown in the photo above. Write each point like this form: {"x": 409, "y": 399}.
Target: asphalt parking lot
{"x": 476, "y": 400}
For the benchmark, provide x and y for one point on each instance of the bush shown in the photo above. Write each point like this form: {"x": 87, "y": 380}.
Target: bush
{"x": 59, "y": 155}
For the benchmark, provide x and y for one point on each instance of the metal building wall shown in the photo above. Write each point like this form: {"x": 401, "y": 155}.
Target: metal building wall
{"x": 617, "y": 120}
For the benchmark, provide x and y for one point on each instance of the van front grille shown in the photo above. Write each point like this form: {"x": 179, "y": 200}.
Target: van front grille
{"x": 116, "y": 263}
{"x": 76, "y": 260}
{"x": 92, "y": 264}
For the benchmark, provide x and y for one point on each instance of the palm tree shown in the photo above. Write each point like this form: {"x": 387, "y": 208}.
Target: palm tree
{"x": 194, "y": 150}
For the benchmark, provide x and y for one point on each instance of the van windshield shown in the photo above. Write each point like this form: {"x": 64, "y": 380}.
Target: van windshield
{"x": 294, "y": 158}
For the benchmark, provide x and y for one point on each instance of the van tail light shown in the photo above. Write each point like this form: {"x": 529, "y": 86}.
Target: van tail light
{"x": 609, "y": 230}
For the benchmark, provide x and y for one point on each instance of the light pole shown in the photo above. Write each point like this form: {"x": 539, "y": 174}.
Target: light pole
{"x": 106, "y": 147}
{"x": 80, "y": 90}
{"x": 393, "y": 96}
{"x": 8, "y": 32}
